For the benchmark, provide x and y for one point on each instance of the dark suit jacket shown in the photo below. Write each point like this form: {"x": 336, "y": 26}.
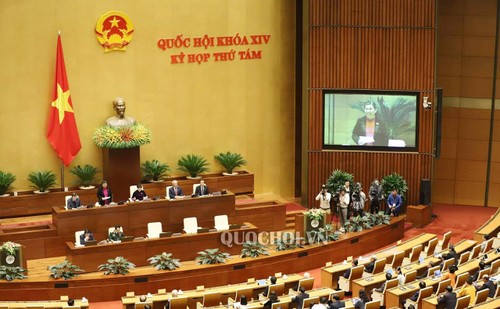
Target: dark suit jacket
{"x": 347, "y": 273}
{"x": 100, "y": 195}
{"x": 414, "y": 297}
{"x": 369, "y": 268}
{"x": 299, "y": 299}
{"x": 139, "y": 195}
{"x": 198, "y": 191}
{"x": 82, "y": 238}
{"x": 337, "y": 305}
{"x": 171, "y": 192}
{"x": 491, "y": 286}
{"x": 449, "y": 300}
{"x": 73, "y": 204}
{"x": 380, "y": 135}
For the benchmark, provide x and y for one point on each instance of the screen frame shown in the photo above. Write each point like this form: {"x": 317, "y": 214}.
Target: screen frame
{"x": 371, "y": 148}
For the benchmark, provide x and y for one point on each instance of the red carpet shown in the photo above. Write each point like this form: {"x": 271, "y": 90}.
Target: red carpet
{"x": 294, "y": 207}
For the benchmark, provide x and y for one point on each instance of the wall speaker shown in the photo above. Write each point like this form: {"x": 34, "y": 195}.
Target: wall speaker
{"x": 425, "y": 191}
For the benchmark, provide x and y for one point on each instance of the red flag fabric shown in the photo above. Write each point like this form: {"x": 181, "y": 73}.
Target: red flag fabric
{"x": 62, "y": 132}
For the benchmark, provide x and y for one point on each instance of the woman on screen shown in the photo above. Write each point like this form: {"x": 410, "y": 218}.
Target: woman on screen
{"x": 369, "y": 129}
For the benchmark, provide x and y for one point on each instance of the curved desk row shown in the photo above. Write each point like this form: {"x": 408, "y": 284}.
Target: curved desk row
{"x": 490, "y": 228}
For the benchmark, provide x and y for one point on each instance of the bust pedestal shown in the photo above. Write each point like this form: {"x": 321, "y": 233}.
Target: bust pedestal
{"x": 121, "y": 169}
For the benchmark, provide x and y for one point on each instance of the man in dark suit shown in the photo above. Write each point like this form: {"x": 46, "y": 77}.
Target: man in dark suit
{"x": 336, "y": 303}
{"x": 488, "y": 284}
{"x": 370, "y": 130}
{"x": 380, "y": 289}
{"x": 347, "y": 273}
{"x": 451, "y": 254}
{"x": 482, "y": 265}
{"x": 371, "y": 266}
{"x": 202, "y": 189}
{"x": 86, "y": 236}
{"x": 175, "y": 191}
{"x": 299, "y": 298}
{"x": 272, "y": 280}
{"x": 448, "y": 299}
{"x": 414, "y": 297}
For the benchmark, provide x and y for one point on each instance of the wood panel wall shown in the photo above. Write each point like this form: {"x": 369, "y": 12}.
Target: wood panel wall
{"x": 375, "y": 45}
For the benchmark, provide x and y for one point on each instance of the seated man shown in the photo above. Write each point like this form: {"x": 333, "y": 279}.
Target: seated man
{"x": 468, "y": 289}
{"x": 394, "y": 202}
{"x": 139, "y": 194}
{"x": 388, "y": 277}
{"x": 487, "y": 284}
{"x": 86, "y": 236}
{"x": 451, "y": 254}
{"x": 482, "y": 265}
{"x": 273, "y": 298}
{"x": 273, "y": 280}
{"x": 175, "y": 191}
{"x": 202, "y": 189}
{"x": 336, "y": 303}
{"x": 299, "y": 298}
{"x": 414, "y": 297}
{"x": 73, "y": 202}
{"x": 71, "y": 302}
{"x": 370, "y": 266}
{"x": 448, "y": 299}
{"x": 322, "y": 303}
{"x": 347, "y": 273}
{"x": 174, "y": 294}
{"x": 116, "y": 234}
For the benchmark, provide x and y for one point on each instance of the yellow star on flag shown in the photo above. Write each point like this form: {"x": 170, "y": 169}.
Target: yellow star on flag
{"x": 114, "y": 22}
{"x": 62, "y": 103}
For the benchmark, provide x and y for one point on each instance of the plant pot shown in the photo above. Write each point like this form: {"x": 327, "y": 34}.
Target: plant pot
{"x": 4, "y": 195}
{"x": 197, "y": 177}
{"x": 232, "y": 174}
{"x": 39, "y": 192}
{"x": 86, "y": 188}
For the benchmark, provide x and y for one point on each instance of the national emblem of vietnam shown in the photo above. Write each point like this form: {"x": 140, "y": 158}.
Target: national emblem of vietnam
{"x": 114, "y": 31}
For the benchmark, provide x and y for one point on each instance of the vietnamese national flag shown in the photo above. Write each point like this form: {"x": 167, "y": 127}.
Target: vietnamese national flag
{"x": 62, "y": 132}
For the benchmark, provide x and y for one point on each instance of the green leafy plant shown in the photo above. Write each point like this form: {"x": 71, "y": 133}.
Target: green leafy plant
{"x": 253, "y": 249}
{"x": 117, "y": 266}
{"x": 212, "y": 256}
{"x": 230, "y": 160}
{"x": 322, "y": 235}
{"x": 380, "y": 218}
{"x": 316, "y": 214}
{"x": 154, "y": 170}
{"x": 11, "y": 273}
{"x": 193, "y": 164}
{"x": 42, "y": 180}
{"x": 287, "y": 242}
{"x": 65, "y": 270}
{"x": 9, "y": 247}
{"x": 164, "y": 261}
{"x": 6, "y": 180}
{"x": 337, "y": 180}
{"x": 394, "y": 181}
{"x": 123, "y": 137}
{"x": 86, "y": 174}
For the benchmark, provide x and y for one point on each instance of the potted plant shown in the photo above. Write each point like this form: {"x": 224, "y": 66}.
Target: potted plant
{"x": 164, "y": 261}
{"x": 212, "y": 256}
{"x": 392, "y": 182}
{"x": 42, "y": 181}
{"x": 11, "y": 273}
{"x": 287, "y": 242}
{"x": 86, "y": 175}
{"x": 325, "y": 234}
{"x": 193, "y": 165}
{"x": 65, "y": 270}
{"x": 337, "y": 180}
{"x": 380, "y": 218}
{"x": 154, "y": 170}
{"x": 6, "y": 180}
{"x": 117, "y": 266}
{"x": 253, "y": 249}
{"x": 230, "y": 161}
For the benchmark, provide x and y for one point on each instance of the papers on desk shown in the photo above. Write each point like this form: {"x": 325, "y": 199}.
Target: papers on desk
{"x": 366, "y": 140}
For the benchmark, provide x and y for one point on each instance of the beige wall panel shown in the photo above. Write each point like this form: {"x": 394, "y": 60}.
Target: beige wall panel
{"x": 477, "y": 67}
{"x": 480, "y": 8}
{"x": 449, "y": 65}
{"x": 450, "y": 85}
{"x": 451, "y": 7}
{"x": 240, "y": 106}
{"x": 494, "y": 195}
{"x": 444, "y": 169}
{"x": 449, "y": 148}
{"x": 469, "y": 193}
{"x": 443, "y": 191}
{"x": 478, "y": 46}
{"x": 450, "y": 45}
{"x": 475, "y": 129}
{"x": 471, "y": 170}
{"x": 472, "y": 150}
{"x": 451, "y": 25}
{"x": 478, "y": 25}
{"x": 449, "y": 128}
{"x": 474, "y": 87}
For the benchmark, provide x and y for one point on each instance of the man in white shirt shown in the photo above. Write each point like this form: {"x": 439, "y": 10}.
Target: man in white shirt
{"x": 322, "y": 303}
{"x": 324, "y": 198}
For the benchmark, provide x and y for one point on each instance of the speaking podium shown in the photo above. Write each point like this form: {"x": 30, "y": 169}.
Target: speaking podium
{"x": 313, "y": 224}
{"x": 13, "y": 260}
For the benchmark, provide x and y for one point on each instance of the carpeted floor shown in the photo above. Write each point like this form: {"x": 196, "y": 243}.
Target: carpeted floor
{"x": 461, "y": 220}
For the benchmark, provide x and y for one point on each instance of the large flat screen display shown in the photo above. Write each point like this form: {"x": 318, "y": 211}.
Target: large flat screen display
{"x": 370, "y": 120}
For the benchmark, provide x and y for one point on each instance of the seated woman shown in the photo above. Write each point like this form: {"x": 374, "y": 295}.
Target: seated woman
{"x": 139, "y": 194}
{"x": 116, "y": 234}
{"x": 86, "y": 236}
{"x": 73, "y": 202}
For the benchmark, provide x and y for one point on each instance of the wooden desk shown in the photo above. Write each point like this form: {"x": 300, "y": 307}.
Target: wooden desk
{"x": 184, "y": 247}
{"x": 193, "y": 296}
{"x": 494, "y": 303}
{"x": 134, "y": 217}
{"x": 490, "y": 228}
{"x": 49, "y": 304}
{"x": 331, "y": 274}
{"x": 419, "y": 215}
{"x": 394, "y": 296}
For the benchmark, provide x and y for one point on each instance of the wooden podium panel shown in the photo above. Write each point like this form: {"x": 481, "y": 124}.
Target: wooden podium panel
{"x": 184, "y": 247}
{"x": 134, "y": 217}
{"x": 121, "y": 168}
{"x": 419, "y": 215}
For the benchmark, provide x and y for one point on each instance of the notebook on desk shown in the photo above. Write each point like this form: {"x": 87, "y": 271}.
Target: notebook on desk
{"x": 127, "y": 238}
{"x": 203, "y": 230}
{"x": 165, "y": 234}
{"x": 90, "y": 243}
{"x": 234, "y": 226}
{"x": 261, "y": 282}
